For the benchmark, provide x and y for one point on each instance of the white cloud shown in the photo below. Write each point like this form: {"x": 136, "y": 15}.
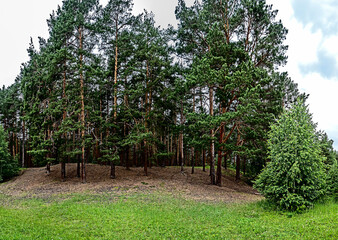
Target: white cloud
{"x": 304, "y": 47}
{"x": 322, "y": 100}
{"x": 303, "y": 44}
{"x": 330, "y": 45}
{"x": 20, "y": 20}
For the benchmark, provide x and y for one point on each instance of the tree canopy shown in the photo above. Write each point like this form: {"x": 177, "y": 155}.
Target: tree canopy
{"x": 111, "y": 87}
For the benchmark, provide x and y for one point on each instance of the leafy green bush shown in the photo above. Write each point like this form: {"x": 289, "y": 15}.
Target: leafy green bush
{"x": 333, "y": 180}
{"x": 8, "y": 167}
{"x": 295, "y": 177}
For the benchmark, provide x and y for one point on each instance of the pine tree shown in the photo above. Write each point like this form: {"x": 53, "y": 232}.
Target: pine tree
{"x": 116, "y": 22}
{"x": 222, "y": 40}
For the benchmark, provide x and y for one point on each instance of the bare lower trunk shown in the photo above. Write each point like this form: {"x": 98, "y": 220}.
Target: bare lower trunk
{"x": 48, "y": 168}
{"x": 238, "y": 167}
{"x": 212, "y": 146}
{"x": 181, "y": 139}
{"x": 145, "y": 158}
{"x": 181, "y": 152}
{"x": 112, "y": 170}
{"x": 23, "y": 142}
{"x": 82, "y": 116}
{"x": 193, "y": 149}
{"x": 203, "y": 160}
{"x": 192, "y": 160}
{"x": 219, "y": 160}
{"x": 63, "y": 171}
{"x": 78, "y": 167}
{"x": 219, "y": 169}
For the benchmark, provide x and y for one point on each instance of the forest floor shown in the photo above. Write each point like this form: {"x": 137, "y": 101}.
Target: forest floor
{"x": 35, "y": 182}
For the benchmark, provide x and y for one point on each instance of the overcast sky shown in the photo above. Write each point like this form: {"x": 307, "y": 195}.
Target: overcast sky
{"x": 312, "y": 40}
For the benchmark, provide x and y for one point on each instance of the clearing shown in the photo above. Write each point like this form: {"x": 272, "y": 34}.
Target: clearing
{"x": 35, "y": 182}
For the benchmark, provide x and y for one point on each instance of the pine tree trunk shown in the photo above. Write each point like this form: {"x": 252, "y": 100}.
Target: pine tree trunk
{"x": 203, "y": 160}
{"x": 212, "y": 147}
{"x": 171, "y": 149}
{"x": 115, "y": 72}
{"x": 126, "y": 130}
{"x": 181, "y": 139}
{"x": 192, "y": 160}
{"x": 13, "y": 144}
{"x": 238, "y": 167}
{"x": 23, "y": 142}
{"x": 16, "y": 143}
{"x": 48, "y": 168}
{"x": 219, "y": 160}
{"x": 145, "y": 153}
{"x": 193, "y": 149}
{"x": 63, "y": 171}
{"x": 83, "y": 168}
{"x": 238, "y": 159}
{"x": 78, "y": 167}
{"x": 112, "y": 170}
{"x": 220, "y": 152}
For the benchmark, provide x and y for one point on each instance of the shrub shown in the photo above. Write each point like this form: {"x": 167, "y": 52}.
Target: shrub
{"x": 295, "y": 177}
{"x": 333, "y": 180}
{"x": 8, "y": 167}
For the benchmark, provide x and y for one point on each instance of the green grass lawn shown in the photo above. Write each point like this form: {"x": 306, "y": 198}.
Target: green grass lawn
{"x": 158, "y": 217}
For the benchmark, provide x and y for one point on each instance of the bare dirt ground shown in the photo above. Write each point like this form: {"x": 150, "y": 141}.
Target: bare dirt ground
{"x": 36, "y": 182}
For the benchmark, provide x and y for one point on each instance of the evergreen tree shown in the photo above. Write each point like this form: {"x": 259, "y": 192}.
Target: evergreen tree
{"x": 295, "y": 177}
{"x": 116, "y": 23}
{"x": 223, "y": 40}
{"x": 8, "y": 167}
{"x": 333, "y": 180}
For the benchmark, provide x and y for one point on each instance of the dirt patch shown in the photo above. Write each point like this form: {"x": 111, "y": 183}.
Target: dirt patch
{"x": 36, "y": 182}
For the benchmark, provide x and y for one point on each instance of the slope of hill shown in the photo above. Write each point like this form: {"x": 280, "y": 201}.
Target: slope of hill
{"x": 36, "y": 183}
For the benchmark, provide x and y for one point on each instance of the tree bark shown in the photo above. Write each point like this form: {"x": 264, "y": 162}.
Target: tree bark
{"x": 203, "y": 160}
{"x": 63, "y": 171}
{"x": 83, "y": 167}
{"x": 116, "y": 68}
{"x": 112, "y": 170}
{"x": 212, "y": 145}
{"x": 181, "y": 139}
{"x": 219, "y": 160}
{"x": 193, "y": 149}
{"x": 48, "y": 168}
{"x": 23, "y": 142}
{"x": 78, "y": 167}
{"x": 145, "y": 152}
{"x": 238, "y": 167}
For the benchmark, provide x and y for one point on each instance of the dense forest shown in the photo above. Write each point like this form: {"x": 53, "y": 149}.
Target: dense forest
{"x": 109, "y": 87}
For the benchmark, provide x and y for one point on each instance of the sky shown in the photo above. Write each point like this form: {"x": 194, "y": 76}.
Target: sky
{"x": 312, "y": 40}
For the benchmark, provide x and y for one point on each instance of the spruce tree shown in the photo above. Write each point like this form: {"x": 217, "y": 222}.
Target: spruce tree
{"x": 295, "y": 177}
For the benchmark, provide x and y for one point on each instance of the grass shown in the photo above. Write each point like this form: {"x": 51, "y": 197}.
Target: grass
{"x": 158, "y": 217}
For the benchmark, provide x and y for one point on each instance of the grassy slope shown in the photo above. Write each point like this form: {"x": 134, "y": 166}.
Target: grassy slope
{"x": 158, "y": 217}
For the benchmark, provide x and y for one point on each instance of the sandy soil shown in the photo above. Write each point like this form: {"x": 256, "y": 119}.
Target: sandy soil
{"x": 36, "y": 182}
